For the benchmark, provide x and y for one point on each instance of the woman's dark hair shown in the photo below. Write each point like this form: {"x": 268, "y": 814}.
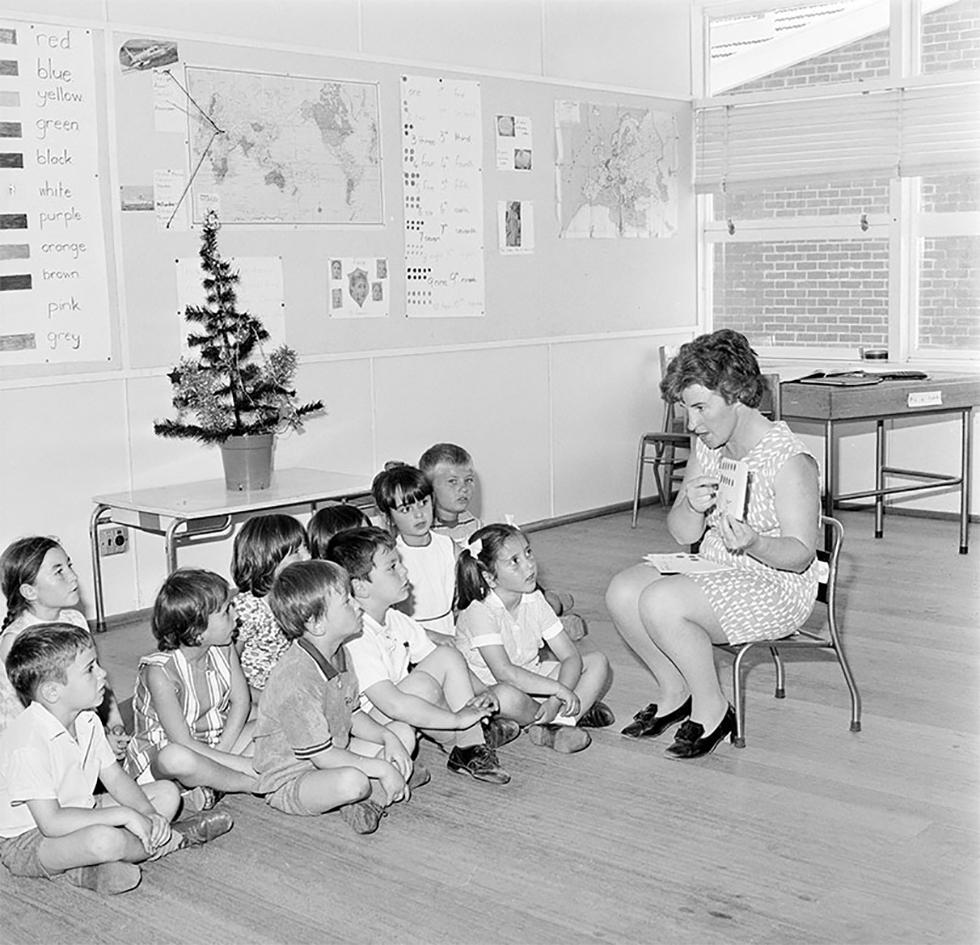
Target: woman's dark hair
{"x": 722, "y": 361}
{"x": 330, "y": 520}
{"x": 260, "y": 546}
{"x": 19, "y": 564}
{"x": 399, "y": 484}
{"x": 185, "y": 602}
{"x": 354, "y": 550}
{"x": 301, "y": 593}
{"x": 476, "y": 561}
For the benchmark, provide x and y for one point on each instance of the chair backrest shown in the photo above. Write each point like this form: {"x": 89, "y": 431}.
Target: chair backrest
{"x": 674, "y": 421}
{"x": 772, "y": 399}
{"x": 828, "y": 559}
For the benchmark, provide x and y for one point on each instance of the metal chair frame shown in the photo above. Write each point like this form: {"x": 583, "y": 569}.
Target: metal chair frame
{"x": 802, "y": 639}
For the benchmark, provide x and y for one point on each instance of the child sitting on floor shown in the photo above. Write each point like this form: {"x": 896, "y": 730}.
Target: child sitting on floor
{"x": 404, "y": 496}
{"x": 40, "y": 586}
{"x": 437, "y": 694}
{"x": 191, "y": 704}
{"x": 315, "y": 749}
{"x": 449, "y": 469}
{"x": 52, "y": 755}
{"x": 504, "y": 620}
{"x": 264, "y": 545}
{"x": 326, "y": 522}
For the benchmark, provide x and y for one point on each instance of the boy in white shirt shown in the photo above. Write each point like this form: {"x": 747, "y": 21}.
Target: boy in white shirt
{"x": 402, "y": 674}
{"x": 51, "y": 757}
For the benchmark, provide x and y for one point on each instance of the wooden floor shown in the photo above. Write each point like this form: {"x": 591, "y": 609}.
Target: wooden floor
{"x": 809, "y": 834}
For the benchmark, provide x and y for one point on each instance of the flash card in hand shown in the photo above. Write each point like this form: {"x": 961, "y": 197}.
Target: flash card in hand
{"x": 733, "y": 488}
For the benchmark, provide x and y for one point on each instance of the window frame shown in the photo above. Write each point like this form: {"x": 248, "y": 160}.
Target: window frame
{"x": 905, "y": 224}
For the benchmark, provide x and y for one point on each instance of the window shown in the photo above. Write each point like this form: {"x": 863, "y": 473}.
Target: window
{"x": 840, "y": 195}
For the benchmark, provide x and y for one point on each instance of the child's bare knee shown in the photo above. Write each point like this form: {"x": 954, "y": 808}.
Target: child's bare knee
{"x": 175, "y": 761}
{"x": 104, "y": 844}
{"x": 427, "y": 687}
{"x": 596, "y": 663}
{"x": 352, "y": 785}
{"x": 164, "y": 796}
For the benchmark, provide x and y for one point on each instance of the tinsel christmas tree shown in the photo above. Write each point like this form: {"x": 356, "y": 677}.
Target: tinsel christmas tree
{"x": 226, "y": 388}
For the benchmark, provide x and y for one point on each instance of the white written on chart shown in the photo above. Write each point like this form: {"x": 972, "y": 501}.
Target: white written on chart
{"x": 53, "y": 287}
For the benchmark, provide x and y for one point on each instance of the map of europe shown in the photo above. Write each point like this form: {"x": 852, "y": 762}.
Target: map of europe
{"x": 617, "y": 171}
{"x": 282, "y": 149}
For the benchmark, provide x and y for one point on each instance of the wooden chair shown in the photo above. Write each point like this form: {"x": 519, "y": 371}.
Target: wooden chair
{"x": 802, "y": 638}
{"x": 668, "y": 467}
{"x": 665, "y": 443}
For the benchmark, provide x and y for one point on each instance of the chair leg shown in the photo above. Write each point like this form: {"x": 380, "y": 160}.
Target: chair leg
{"x": 780, "y": 673}
{"x": 738, "y": 694}
{"x": 666, "y": 494}
{"x": 640, "y": 456}
{"x": 852, "y": 687}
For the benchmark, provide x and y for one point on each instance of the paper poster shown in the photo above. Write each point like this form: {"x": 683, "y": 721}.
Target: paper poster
{"x": 259, "y": 291}
{"x": 443, "y": 194}
{"x": 54, "y": 296}
{"x": 680, "y": 562}
{"x": 358, "y": 287}
{"x": 169, "y": 200}
{"x": 513, "y": 134}
{"x": 515, "y": 226}
{"x": 169, "y": 103}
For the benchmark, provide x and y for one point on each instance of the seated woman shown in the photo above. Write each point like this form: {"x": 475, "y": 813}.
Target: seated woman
{"x": 770, "y": 584}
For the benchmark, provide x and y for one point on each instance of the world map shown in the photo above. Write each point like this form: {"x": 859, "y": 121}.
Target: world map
{"x": 281, "y": 149}
{"x": 617, "y": 171}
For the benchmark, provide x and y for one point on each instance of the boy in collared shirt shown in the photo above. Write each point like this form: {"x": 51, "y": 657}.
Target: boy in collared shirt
{"x": 51, "y": 756}
{"x": 315, "y": 750}
{"x": 403, "y": 675}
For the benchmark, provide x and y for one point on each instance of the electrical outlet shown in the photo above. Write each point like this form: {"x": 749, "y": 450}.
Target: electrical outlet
{"x": 113, "y": 540}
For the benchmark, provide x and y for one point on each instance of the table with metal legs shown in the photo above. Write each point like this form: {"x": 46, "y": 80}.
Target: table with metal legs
{"x": 195, "y": 512}
{"x": 936, "y": 397}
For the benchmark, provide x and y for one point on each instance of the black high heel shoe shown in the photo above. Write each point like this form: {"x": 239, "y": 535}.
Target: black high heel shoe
{"x": 691, "y": 742}
{"x": 647, "y": 724}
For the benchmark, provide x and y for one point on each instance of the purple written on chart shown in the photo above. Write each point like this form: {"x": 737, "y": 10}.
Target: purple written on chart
{"x": 54, "y": 298}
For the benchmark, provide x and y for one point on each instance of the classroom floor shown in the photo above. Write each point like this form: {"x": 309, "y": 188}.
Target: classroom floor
{"x": 809, "y": 834}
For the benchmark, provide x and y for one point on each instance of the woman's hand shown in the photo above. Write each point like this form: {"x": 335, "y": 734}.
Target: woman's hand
{"x": 737, "y": 536}
{"x": 700, "y": 492}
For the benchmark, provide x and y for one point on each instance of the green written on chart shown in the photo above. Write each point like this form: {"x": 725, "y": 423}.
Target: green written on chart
{"x": 54, "y": 304}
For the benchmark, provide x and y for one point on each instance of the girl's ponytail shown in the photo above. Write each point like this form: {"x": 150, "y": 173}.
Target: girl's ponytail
{"x": 476, "y": 560}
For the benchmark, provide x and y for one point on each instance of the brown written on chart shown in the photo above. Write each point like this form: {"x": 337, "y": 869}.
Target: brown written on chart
{"x": 54, "y": 300}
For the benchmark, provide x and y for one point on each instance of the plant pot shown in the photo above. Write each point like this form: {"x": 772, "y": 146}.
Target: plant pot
{"x": 248, "y": 462}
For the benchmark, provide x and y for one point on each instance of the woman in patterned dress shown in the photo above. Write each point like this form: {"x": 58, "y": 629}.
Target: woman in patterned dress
{"x": 769, "y": 585}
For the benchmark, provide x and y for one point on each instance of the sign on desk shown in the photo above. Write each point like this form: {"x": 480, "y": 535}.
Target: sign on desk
{"x": 925, "y": 398}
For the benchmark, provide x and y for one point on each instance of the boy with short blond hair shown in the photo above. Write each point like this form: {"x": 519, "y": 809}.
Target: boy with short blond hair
{"x": 315, "y": 750}
{"x": 403, "y": 675}
{"x": 51, "y": 757}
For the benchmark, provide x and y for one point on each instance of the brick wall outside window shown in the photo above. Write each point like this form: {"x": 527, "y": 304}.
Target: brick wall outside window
{"x": 829, "y": 199}
{"x": 949, "y": 293}
{"x": 951, "y": 38}
{"x": 812, "y": 293}
{"x": 865, "y": 59}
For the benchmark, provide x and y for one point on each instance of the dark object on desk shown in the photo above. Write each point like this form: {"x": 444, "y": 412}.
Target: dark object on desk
{"x": 860, "y": 378}
{"x": 841, "y": 378}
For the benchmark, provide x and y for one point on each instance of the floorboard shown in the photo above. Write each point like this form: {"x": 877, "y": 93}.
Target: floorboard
{"x": 809, "y": 834}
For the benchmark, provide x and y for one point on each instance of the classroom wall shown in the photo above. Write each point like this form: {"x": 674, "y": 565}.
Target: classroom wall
{"x": 548, "y": 391}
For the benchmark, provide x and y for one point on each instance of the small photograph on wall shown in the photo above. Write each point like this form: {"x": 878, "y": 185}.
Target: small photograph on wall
{"x": 144, "y": 55}
{"x": 358, "y": 287}
{"x": 515, "y": 226}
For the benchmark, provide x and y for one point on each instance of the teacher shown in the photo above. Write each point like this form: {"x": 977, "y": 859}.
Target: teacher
{"x": 769, "y": 584}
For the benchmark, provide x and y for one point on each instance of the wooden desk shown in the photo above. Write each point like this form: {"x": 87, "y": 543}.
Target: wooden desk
{"x": 940, "y": 394}
{"x": 200, "y": 511}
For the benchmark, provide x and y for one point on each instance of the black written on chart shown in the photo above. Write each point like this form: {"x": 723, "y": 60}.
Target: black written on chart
{"x": 54, "y": 297}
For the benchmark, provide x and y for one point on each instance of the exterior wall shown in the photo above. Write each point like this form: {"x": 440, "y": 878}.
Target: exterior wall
{"x": 951, "y": 37}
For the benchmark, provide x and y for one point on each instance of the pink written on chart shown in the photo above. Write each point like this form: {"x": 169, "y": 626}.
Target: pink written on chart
{"x": 53, "y": 290}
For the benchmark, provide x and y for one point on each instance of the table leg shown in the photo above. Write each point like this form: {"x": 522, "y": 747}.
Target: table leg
{"x": 170, "y": 545}
{"x": 966, "y": 471}
{"x": 879, "y": 477}
{"x": 93, "y": 537}
{"x": 829, "y": 477}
